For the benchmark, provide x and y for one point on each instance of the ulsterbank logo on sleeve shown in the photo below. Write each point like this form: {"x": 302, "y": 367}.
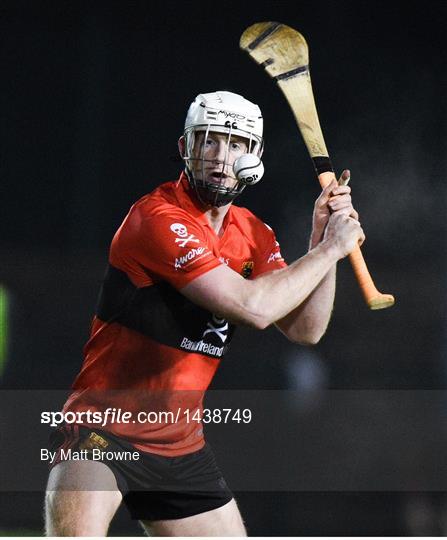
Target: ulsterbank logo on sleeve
{"x": 214, "y": 338}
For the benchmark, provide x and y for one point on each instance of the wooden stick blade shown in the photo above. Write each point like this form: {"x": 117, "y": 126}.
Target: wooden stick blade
{"x": 277, "y": 47}
{"x": 283, "y": 53}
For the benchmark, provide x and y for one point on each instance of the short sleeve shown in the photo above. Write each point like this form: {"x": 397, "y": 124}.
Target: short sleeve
{"x": 269, "y": 257}
{"x": 171, "y": 246}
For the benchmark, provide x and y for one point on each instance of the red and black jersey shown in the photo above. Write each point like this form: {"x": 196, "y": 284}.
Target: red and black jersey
{"x": 150, "y": 347}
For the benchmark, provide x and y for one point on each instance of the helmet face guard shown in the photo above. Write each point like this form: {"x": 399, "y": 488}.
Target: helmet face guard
{"x": 225, "y": 113}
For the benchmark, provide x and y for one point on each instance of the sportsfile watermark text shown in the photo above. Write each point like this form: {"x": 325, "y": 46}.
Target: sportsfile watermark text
{"x": 113, "y": 415}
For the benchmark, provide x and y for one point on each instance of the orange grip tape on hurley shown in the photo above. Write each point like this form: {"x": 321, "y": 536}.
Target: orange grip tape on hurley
{"x": 374, "y": 298}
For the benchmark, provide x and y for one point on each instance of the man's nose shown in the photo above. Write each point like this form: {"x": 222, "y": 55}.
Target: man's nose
{"x": 220, "y": 151}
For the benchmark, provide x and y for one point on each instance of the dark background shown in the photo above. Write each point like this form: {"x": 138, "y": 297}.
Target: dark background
{"x": 93, "y": 99}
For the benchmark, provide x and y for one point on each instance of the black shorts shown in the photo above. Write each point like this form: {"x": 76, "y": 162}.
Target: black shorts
{"x": 154, "y": 487}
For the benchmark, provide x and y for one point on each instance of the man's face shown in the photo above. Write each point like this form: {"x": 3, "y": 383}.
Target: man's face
{"x": 216, "y": 150}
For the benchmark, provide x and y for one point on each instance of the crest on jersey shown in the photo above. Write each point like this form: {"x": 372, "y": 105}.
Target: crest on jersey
{"x": 247, "y": 269}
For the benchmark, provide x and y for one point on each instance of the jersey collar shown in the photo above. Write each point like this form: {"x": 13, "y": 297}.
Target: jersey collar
{"x": 187, "y": 200}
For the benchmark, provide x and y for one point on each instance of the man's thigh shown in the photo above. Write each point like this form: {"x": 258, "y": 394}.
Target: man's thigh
{"x": 73, "y": 507}
{"x": 223, "y": 521}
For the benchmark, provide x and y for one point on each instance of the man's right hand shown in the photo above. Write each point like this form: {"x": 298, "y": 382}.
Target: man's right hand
{"x": 344, "y": 233}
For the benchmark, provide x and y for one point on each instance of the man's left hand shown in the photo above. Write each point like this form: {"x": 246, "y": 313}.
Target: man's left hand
{"x": 333, "y": 198}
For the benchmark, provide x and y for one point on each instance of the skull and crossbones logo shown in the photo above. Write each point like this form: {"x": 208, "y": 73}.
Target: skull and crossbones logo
{"x": 214, "y": 328}
{"x": 182, "y": 233}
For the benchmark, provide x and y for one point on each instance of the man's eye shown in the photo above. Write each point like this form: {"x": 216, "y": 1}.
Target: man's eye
{"x": 235, "y": 146}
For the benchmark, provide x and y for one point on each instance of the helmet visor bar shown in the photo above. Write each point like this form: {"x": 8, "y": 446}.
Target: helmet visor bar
{"x": 203, "y": 154}
{"x": 224, "y": 165}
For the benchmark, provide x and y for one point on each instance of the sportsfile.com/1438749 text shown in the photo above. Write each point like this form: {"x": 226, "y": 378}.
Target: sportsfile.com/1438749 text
{"x": 114, "y": 415}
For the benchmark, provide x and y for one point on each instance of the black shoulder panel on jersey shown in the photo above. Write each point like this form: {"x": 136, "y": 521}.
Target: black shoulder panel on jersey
{"x": 163, "y": 314}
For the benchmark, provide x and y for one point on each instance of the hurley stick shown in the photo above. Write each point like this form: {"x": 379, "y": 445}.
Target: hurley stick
{"x": 283, "y": 53}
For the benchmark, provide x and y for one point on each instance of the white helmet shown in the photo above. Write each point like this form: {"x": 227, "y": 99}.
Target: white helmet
{"x": 221, "y": 112}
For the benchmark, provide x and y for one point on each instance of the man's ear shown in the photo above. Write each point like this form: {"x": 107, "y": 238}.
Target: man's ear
{"x": 181, "y": 146}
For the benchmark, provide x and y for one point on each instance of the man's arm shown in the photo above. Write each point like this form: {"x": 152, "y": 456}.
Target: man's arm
{"x": 307, "y": 323}
{"x": 270, "y": 297}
